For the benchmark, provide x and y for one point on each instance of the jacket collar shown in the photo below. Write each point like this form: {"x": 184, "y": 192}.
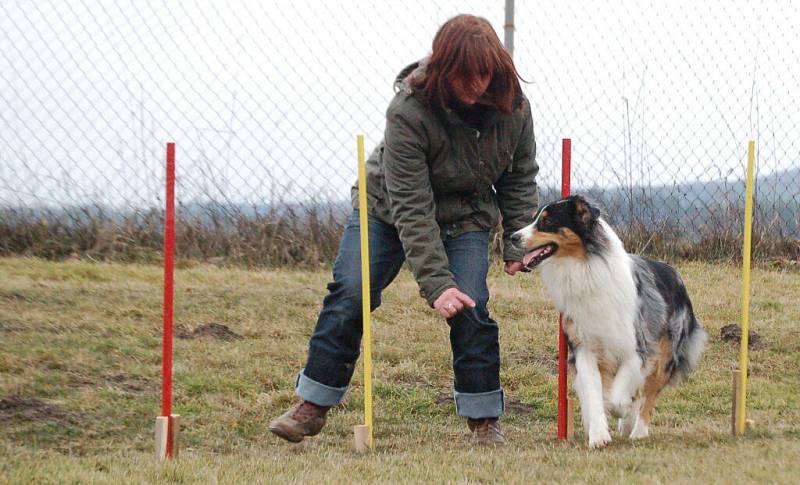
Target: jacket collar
{"x": 493, "y": 116}
{"x": 451, "y": 117}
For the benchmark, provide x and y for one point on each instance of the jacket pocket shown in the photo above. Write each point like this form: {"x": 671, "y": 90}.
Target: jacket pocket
{"x": 449, "y": 209}
{"x": 451, "y": 176}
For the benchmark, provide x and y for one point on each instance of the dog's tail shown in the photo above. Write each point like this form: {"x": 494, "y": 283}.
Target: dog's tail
{"x": 688, "y": 344}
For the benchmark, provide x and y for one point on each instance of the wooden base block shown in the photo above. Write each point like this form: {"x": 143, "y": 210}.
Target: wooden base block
{"x": 162, "y": 432}
{"x": 570, "y": 419}
{"x": 362, "y": 434}
{"x": 167, "y": 433}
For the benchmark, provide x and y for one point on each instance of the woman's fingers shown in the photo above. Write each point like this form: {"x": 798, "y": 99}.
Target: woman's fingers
{"x": 453, "y": 301}
{"x": 451, "y": 307}
{"x": 446, "y": 312}
{"x": 464, "y": 299}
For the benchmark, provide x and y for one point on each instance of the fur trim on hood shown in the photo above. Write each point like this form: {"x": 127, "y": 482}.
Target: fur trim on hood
{"x": 414, "y": 70}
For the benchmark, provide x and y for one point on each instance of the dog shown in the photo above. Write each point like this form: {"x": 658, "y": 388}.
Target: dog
{"x": 628, "y": 319}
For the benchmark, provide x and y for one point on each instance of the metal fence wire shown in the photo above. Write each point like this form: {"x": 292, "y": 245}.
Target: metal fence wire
{"x": 264, "y": 99}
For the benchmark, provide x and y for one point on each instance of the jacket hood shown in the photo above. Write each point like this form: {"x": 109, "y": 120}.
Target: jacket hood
{"x": 415, "y": 69}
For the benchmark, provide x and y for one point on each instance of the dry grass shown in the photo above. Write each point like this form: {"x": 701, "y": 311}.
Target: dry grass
{"x": 308, "y": 237}
{"x": 80, "y": 362}
{"x": 296, "y": 236}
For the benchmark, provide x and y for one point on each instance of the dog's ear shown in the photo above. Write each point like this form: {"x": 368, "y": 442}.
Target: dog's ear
{"x": 585, "y": 211}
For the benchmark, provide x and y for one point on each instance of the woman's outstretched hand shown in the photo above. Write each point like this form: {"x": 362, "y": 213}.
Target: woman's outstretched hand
{"x": 512, "y": 267}
{"x": 451, "y": 302}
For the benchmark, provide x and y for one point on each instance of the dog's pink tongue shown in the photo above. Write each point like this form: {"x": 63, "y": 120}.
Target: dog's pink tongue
{"x": 526, "y": 260}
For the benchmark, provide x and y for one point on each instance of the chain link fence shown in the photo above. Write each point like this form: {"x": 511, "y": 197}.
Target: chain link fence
{"x": 264, "y": 99}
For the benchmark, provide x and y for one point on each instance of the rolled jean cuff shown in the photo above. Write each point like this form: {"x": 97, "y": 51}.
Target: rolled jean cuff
{"x": 319, "y": 394}
{"x": 479, "y": 405}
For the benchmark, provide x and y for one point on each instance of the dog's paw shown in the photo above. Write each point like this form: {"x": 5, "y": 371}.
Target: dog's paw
{"x": 640, "y": 431}
{"x": 619, "y": 408}
{"x": 619, "y": 404}
{"x": 598, "y": 438}
{"x": 625, "y": 426}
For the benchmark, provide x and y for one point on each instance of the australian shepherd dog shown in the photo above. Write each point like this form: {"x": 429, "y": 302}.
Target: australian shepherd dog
{"x": 628, "y": 319}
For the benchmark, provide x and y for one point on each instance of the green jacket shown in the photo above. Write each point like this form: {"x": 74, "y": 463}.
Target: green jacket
{"x": 434, "y": 177}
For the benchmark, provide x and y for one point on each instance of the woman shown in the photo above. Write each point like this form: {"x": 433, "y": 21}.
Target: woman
{"x": 458, "y": 152}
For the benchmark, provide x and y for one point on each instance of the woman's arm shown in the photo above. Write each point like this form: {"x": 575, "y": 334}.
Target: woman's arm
{"x": 517, "y": 193}
{"x": 413, "y": 207}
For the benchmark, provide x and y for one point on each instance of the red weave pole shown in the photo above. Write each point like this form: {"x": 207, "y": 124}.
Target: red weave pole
{"x": 169, "y": 251}
{"x": 566, "y": 159}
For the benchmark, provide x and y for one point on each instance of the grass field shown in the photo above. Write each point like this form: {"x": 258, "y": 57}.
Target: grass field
{"x": 80, "y": 366}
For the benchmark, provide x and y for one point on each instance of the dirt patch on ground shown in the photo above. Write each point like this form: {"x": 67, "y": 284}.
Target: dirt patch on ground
{"x": 542, "y": 360}
{"x": 32, "y": 409}
{"x": 512, "y": 406}
{"x": 13, "y": 296}
{"x": 39, "y": 327}
{"x": 519, "y": 408}
{"x": 134, "y": 384}
{"x": 6, "y": 326}
{"x": 214, "y": 330}
{"x": 733, "y": 333}
{"x": 442, "y": 398}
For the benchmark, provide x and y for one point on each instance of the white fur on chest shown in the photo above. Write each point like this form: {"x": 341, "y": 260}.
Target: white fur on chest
{"x": 599, "y": 295}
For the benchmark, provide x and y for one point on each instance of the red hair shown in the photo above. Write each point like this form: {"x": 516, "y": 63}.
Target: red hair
{"x": 466, "y": 48}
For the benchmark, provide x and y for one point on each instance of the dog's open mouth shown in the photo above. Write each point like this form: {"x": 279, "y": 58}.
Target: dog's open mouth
{"x": 537, "y": 255}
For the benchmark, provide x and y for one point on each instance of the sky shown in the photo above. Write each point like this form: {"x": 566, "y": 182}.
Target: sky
{"x": 264, "y": 98}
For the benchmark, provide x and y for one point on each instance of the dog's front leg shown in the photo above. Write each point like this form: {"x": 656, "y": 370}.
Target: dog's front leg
{"x": 589, "y": 386}
{"x": 624, "y": 386}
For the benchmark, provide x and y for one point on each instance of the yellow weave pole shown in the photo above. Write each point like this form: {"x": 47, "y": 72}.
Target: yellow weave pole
{"x": 363, "y": 433}
{"x": 746, "y": 255}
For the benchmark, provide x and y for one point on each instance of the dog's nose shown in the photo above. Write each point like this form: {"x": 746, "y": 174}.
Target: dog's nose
{"x": 516, "y": 239}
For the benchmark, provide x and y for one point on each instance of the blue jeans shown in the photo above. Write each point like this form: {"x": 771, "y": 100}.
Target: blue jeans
{"x": 334, "y": 345}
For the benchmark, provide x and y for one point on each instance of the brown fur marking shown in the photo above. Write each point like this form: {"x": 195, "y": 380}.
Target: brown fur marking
{"x": 569, "y": 329}
{"x": 569, "y": 244}
{"x": 658, "y": 378}
{"x": 607, "y": 372}
{"x": 582, "y": 210}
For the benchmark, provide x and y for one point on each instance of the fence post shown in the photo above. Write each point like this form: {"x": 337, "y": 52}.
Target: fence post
{"x": 508, "y": 27}
{"x": 364, "y": 433}
{"x": 166, "y": 430}
{"x": 564, "y": 427}
{"x": 740, "y": 391}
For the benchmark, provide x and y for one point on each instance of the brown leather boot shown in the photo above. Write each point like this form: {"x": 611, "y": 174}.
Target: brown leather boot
{"x": 486, "y": 432}
{"x": 301, "y": 420}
